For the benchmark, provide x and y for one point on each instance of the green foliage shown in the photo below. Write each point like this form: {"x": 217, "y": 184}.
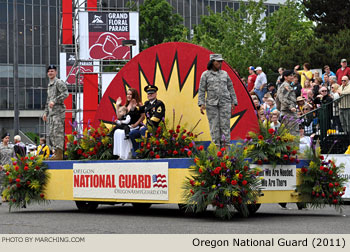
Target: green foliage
{"x": 238, "y": 35}
{"x": 273, "y": 147}
{"x": 329, "y": 49}
{"x": 33, "y": 136}
{"x": 321, "y": 183}
{"x": 331, "y": 16}
{"x": 245, "y": 37}
{"x": 25, "y": 181}
{"x": 288, "y": 35}
{"x": 158, "y": 24}
{"x": 222, "y": 179}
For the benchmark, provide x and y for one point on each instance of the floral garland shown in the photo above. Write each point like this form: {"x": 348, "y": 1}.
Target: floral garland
{"x": 321, "y": 184}
{"x": 93, "y": 144}
{"x": 272, "y": 146}
{"x": 222, "y": 179}
{"x": 25, "y": 181}
{"x": 163, "y": 143}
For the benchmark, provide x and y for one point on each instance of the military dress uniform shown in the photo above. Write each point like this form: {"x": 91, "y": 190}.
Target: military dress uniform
{"x": 154, "y": 112}
{"x": 220, "y": 98}
{"x": 57, "y": 92}
{"x": 285, "y": 101}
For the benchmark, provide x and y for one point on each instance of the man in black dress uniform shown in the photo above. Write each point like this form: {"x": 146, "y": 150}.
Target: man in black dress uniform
{"x": 154, "y": 111}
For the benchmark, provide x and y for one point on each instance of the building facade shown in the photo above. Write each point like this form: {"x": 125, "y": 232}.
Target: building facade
{"x": 38, "y": 43}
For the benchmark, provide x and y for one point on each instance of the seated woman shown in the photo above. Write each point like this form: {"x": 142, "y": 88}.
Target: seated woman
{"x": 121, "y": 144}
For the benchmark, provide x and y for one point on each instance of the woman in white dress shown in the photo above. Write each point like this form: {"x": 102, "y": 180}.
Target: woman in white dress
{"x": 121, "y": 146}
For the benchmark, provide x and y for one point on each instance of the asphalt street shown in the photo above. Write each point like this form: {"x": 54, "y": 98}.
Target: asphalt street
{"x": 62, "y": 217}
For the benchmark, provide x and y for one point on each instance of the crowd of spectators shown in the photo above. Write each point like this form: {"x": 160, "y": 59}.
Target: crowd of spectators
{"x": 313, "y": 90}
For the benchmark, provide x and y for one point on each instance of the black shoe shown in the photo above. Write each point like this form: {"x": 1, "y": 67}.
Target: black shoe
{"x": 126, "y": 137}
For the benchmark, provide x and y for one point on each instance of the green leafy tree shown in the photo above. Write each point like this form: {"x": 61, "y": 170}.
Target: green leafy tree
{"x": 159, "y": 24}
{"x": 331, "y": 16}
{"x": 288, "y": 37}
{"x": 238, "y": 35}
{"x": 329, "y": 49}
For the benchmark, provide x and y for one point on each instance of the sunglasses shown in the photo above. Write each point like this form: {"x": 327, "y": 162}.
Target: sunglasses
{"x": 343, "y": 80}
{"x": 322, "y": 91}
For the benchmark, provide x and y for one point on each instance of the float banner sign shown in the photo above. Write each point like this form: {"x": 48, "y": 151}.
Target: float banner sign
{"x": 345, "y": 159}
{"x": 281, "y": 177}
{"x": 139, "y": 181}
{"x": 107, "y": 30}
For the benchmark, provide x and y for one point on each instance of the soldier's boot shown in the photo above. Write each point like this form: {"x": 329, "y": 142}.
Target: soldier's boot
{"x": 58, "y": 155}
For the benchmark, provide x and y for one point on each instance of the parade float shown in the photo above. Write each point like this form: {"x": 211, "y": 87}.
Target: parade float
{"x": 179, "y": 165}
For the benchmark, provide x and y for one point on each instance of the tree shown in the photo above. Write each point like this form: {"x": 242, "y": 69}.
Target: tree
{"x": 237, "y": 35}
{"x": 159, "y": 24}
{"x": 330, "y": 16}
{"x": 247, "y": 37}
{"x": 288, "y": 37}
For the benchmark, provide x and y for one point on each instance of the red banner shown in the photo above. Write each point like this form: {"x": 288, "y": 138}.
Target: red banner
{"x": 67, "y": 22}
{"x": 90, "y": 98}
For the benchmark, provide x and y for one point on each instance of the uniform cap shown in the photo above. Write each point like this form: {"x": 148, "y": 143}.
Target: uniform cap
{"x": 150, "y": 89}
{"x": 217, "y": 57}
{"x": 51, "y": 67}
{"x": 5, "y": 135}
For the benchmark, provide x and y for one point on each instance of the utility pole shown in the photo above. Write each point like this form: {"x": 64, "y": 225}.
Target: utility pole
{"x": 15, "y": 69}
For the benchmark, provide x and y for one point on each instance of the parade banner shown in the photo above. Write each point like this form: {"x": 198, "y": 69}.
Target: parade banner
{"x": 101, "y": 34}
{"x": 140, "y": 181}
{"x": 281, "y": 177}
{"x": 85, "y": 67}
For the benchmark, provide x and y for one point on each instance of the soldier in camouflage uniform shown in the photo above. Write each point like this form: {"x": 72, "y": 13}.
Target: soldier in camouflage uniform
{"x": 6, "y": 153}
{"x": 286, "y": 101}
{"x": 55, "y": 110}
{"x": 220, "y": 101}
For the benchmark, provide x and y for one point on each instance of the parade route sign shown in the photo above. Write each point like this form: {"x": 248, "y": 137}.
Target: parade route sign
{"x": 281, "y": 177}
{"x": 139, "y": 180}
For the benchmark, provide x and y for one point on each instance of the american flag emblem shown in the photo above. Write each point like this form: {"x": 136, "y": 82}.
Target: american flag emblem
{"x": 159, "y": 181}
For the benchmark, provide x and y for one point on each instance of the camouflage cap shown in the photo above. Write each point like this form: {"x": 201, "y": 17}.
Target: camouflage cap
{"x": 217, "y": 57}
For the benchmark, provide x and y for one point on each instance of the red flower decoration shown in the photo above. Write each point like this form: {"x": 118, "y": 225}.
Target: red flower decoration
{"x": 219, "y": 154}
{"x": 223, "y": 149}
{"x": 200, "y": 148}
{"x": 271, "y": 131}
{"x": 151, "y": 153}
{"x": 200, "y": 170}
{"x": 260, "y": 162}
{"x": 175, "y": 152}
{"x": 244, "y": 182}
{"x": 157, "y": 156}
{"x": 217, "y": 170}
{"x": 261, "y": 137}
{"x": 285, "y": 157}
{"x": 189, "y": 153}
{"x": 190, "y": 145}
{"x": 330, "y": 185}
{"x": 234, "y": 182}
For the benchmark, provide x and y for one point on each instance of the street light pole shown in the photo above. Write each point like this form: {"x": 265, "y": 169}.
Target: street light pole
{"x": 15, "y": 69}
{"x": 130, "y": 44}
